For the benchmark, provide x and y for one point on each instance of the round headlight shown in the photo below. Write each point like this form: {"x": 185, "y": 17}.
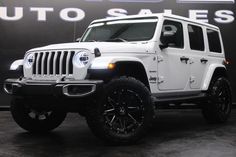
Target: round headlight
{"x": 29, "y": 60}
{"x": 81, "y": 59}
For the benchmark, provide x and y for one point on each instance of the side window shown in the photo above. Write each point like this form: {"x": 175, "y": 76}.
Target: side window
{"x": 174, "y": 32}
{"x": 196, "y": 38}
{"x": 214, "y": 41}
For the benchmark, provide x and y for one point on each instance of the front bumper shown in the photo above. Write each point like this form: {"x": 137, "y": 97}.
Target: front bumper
{"x": 67, "y": 88}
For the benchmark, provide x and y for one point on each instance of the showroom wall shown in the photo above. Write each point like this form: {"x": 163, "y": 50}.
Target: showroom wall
{"x": 26, "y": 24}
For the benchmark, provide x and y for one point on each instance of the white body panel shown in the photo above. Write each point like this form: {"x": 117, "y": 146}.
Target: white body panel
{"x": 173, "y": 74}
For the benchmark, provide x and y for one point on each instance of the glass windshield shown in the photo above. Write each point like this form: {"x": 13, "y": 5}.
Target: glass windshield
{"x": 121, "y": 30}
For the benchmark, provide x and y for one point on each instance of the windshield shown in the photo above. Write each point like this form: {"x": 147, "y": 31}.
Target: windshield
{"x": 127, "y": 30}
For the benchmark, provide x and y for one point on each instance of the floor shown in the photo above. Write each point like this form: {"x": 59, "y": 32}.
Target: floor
{"x": 178, "y": 133}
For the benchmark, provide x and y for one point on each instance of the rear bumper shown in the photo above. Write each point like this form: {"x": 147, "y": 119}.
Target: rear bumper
{"x": 67, "y": 88}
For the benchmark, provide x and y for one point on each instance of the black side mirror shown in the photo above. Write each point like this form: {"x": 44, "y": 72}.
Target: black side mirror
{"x": 166, "y": 39}
{"x": 163, "y": 46}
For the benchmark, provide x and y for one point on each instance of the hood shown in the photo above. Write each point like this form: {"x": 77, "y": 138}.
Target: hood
{"x": 104, "y": 47}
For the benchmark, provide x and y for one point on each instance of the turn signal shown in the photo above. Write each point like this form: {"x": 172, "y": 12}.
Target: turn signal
{"x": 111, "y": 66}
{"x": 225, "y": 62}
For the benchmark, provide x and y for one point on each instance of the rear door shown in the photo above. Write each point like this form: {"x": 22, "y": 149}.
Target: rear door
{"x": 199, "y": 59}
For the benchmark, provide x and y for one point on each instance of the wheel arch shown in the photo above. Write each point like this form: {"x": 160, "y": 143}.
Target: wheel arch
{"x": 124, "y": 66}
{"x": 132, "y": 69}
{"x": 214, "y": 71}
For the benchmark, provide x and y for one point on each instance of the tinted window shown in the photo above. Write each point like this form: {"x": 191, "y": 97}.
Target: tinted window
{"x": 214, "y": 41}
{"x": 175, "y": 28}
{"x": 196, "y": 38}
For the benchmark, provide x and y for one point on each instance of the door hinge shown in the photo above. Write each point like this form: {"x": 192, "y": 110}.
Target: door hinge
{"x": 160, "y": 80}
{"x": 159, "y": 59}
{"x": 192, "y": 79}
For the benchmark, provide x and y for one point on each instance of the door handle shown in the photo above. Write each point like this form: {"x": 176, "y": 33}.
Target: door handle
{"x": 203, "y": 60}
{"x": 185, "y": 59}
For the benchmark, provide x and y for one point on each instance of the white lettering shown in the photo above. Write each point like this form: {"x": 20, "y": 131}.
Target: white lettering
{"x": 199, "y": 15}
{"x": 79, "y": 14}
{"x": 224, "y": 16}
{"x": 145, "y": 12}
{"x": 168, "y": 11}
{"x": 17, "y": 15}
{"x": 42, "y": 12}
{"x": 117, "y": 12}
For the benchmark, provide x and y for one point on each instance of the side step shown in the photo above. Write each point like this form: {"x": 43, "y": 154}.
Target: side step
{"x": 183, "y": 99}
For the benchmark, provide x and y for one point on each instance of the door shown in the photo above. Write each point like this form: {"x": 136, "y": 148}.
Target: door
{"x": 173, "y": 68}
{"x": 199, "y": 59}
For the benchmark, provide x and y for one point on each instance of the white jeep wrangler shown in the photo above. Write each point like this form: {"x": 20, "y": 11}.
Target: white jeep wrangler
{"x": 120, "y": 71}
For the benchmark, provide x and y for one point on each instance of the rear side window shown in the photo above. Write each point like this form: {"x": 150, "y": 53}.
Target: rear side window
{"x": 214, "y": 41}
{"x": 196, "y": 38}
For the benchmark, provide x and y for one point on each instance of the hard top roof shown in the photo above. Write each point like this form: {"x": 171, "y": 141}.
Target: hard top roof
{"x": 156, "y": 15}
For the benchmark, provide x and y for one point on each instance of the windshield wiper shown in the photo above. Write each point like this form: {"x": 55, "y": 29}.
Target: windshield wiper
{"x": 117, "y": 39}
{"x": 93, "y": 41}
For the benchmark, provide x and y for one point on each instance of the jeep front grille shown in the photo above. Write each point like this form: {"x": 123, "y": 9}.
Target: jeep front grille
{"x": 53, "y": 63}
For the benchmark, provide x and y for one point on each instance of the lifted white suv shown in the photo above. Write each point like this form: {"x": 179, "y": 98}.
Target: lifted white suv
{"x": 120, "y": 72}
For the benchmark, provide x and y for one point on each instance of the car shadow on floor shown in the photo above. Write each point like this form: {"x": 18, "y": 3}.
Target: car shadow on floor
{"x": 74, "y": 137}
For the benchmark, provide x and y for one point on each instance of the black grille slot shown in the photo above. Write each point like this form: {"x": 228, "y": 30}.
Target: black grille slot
{"x": 64, "y": 62}
{"x": 51, "y": 63}
{"x": 46, "y": 63}
{"x": 34, "y": 64}
{"x": 71, "y": 62}
{"x": 58, "y": 63}
{"x": 40, "y": 63}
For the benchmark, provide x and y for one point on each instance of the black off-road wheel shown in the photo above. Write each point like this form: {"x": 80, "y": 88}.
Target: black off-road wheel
{"x": 219, "y": 104}
{"x": 36, "y": 120}
{"x": 123, "y": 114}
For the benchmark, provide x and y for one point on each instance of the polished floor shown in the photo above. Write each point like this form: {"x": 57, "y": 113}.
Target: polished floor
{"x": 175, "y": 133}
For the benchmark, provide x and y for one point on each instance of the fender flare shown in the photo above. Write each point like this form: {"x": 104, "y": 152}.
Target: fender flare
{"x": 16, "y": 64}
{"x": 208, "y": 77}
{"x": 103, "y": 62}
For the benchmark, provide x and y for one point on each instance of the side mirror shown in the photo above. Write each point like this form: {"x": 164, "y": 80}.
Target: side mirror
{"x": 78, "y": 39}
{"x": 166, "y": 39}
{"x": 163, "y": 46}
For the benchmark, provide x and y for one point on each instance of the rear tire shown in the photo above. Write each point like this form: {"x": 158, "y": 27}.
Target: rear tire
{"x": 124, "y": 113}
{"x": 35, "y": 120}
{"x": 219, "y": 105}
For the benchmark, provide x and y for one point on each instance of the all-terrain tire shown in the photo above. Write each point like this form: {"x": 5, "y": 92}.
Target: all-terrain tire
{"x": 219, "y": 104}
{"x": 123, "y": 114}
{"x": 35, "y": 121}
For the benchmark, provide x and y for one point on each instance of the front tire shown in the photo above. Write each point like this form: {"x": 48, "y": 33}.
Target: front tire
{"x": 124, "y": 113}
{"x": 36, "y": 120}
{"x": 219, "y": 105}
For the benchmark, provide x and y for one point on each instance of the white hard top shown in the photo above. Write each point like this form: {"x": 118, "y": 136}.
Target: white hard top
{"x": 157, "y": 15}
